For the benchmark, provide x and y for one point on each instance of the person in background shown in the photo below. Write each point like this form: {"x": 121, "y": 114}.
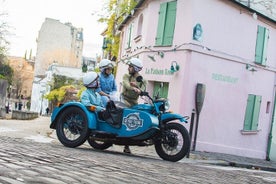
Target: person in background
{"x": 90, "y": 96}
{"x": 47, "y": 111}
{"x": 7, "y": 106}
{"x": 132, "y": 88}
{"x": 107, "y": 87}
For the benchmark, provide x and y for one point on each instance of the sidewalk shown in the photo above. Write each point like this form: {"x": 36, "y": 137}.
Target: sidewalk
{"x": 234, "y": 161}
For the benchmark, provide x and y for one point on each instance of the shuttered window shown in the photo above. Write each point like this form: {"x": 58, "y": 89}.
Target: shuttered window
{"x": 261, "y": 45}
{"x": 166, "y": 24}
{"x": 129, "y": 36}
{"x": 162, "y": 92}
{"x": 252, "y": 112}
{"x": 105, "y": 42}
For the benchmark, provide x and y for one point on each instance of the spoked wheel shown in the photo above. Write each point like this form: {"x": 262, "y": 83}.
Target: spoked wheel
{"x": 174, "y": 143}
{"x": 100, "y": 145}
{"x": 72, "y": 127}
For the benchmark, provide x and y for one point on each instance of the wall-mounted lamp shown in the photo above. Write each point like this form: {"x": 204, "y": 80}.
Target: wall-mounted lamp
{"x": 132, "y": 12}
{"x": 254, "y": 15}
{"x": 250, "y": 68}
{"x": 151, "y": 57}
{"x": 159, "y": 53}
{"x": 174, "y": 66}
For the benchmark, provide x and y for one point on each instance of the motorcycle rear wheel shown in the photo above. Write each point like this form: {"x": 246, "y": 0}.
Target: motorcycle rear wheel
{"x": 99, "y": 145}
{"x": 174, "y": 143}
{"x": 72, "y": 127}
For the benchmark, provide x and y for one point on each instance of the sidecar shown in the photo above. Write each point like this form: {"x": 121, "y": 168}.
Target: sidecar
{"x": 74, "y": 123}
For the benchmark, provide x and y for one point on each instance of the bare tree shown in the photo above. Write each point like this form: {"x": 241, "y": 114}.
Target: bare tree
{"x": 3, "y": 34}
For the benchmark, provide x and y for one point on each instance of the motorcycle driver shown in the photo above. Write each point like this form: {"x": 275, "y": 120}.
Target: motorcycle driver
{"x": 107, "y": 86}
{"x": 132, "y": 88}
{"x": 90, "y": 96}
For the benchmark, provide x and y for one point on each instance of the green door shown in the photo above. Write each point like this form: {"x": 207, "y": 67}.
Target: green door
{"x": 272, "y": 136}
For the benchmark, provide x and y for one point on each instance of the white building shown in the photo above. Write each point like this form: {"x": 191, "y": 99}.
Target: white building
{"x": 58, "y": 43}
{"x": 59, "y": 51}
{"x": 42, "y": 87}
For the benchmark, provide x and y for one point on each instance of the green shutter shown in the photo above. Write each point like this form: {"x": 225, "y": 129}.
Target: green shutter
{"x": 165, "y": 90}
{"x": 256, "y": 112}
{"x": 261, "y": 45}
{"x": 161, "y": 24}
{"x": 104, "y": 43}
{"x": 129, "y": 36}
{"x": 249, "y": 111}
{"x": 170, "y": 23}
{"x": 252, "y": 112}
{"x": 266, "y": 36}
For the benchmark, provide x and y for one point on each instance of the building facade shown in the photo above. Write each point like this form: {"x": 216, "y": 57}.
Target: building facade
{"x": 21, "y": 89}
{"x": 217, "y": 61}
{"x": 58, "y": 43}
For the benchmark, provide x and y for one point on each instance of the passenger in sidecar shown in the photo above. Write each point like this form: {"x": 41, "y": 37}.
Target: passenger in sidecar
{"x": 90, "y": 96}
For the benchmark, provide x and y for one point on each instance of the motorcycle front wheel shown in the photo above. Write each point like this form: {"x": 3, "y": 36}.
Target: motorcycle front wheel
{"x": 100, "y": 145}
{"x": 72, "y": 127}
{"x": 174, "y": 143}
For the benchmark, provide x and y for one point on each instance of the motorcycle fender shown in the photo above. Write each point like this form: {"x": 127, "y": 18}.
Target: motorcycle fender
{"x": 91, "y": 116}
{"x": 170, "y": 116}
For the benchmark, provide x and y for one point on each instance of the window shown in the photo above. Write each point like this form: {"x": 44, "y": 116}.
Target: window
{"x": 79, "y": 36}
{"x": 129, "y": 36}
{"x": 261, "y": 45}
{"x": 139, "y": 29}
{"x": 140, "y": 24}
{"x": 105, "y": 42}
{"x": 161, "y": 91}
{"x": 252, "y": 112}
{"x": 166, "y": 23}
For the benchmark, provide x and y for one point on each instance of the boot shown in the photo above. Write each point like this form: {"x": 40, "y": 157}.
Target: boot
{"x": 127, "y": 150}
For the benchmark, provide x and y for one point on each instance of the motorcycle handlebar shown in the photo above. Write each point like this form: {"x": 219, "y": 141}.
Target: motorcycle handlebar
{"x": 144, "y": 93}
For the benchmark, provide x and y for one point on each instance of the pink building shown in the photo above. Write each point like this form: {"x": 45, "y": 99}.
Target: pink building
{"x": 225, "y": 47}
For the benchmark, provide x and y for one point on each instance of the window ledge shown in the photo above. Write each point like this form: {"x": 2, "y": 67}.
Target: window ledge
{"x": 128, "y": 49}
{"x": 249, "y": 132}
{"x": 162, "y": 45}
{"x": 137, "y": 38}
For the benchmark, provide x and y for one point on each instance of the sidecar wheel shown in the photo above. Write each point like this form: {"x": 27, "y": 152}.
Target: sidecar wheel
{"x": 100, "y": 145}
{"x": 174, "y": 143}
{"x": 72, "y": 127}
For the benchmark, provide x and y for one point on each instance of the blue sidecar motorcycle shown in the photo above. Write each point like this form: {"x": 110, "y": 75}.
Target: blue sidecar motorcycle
{"x": 140, "y": 125}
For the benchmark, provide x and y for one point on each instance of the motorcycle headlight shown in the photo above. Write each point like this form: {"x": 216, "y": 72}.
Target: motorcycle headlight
{"x": 167, "y": 105}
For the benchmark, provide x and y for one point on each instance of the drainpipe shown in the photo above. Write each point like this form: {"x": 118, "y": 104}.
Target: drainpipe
{"x": 271, "y": 129}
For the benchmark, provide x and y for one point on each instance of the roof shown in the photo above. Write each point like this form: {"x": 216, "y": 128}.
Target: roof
{"x": 140, "y": 3}
{"x": 75, "y": 73}
{"x": 254, "y": 11}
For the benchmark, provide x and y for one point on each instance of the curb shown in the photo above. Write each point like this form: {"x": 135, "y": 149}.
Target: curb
{"x": 243, "y": 165}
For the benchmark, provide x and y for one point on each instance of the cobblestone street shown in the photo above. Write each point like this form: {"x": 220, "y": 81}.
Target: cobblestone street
{"x": 27, "y": 161}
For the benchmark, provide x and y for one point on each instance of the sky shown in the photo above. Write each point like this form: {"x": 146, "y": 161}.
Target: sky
{"x": 25, "y": 18}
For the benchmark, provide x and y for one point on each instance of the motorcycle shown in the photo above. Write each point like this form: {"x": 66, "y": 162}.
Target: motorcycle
{"x": 140, "y": 125}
